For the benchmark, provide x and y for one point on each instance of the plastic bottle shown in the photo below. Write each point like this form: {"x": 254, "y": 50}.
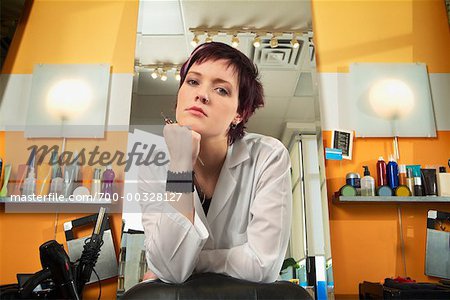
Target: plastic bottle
{"x": 95, "y": 184}
{"x": 392, "y": 173}
{"x": 367, "y": 183}
{"x": 381, "y": 172}
{"x": 108, "y": 179}
{"x": 402, "y": 175}
{"x": 29, "y": 186}
{"x": 443, "y": 182}
{"x": 410, "y": 181}
{"x": 57, "y": 184}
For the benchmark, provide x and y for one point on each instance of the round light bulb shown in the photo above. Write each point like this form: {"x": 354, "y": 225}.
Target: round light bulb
{"x": 177, "y": 76}
{"x": 391, "y": 98}
{"x": 273, "y": 42}
{"x": 195, "y": 41}
{"x": 235, "y": 41}
{"x": 69, "y": 98}
{"x": 257, "y": 42}
{"x": 208, "y": 39}
{"x": 154, "y": 74}
{"x": 164, "y": 76}
{"x": 294, "y": 43}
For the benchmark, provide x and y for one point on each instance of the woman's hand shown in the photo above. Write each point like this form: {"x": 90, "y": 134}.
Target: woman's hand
{"x": 184, "y": 146}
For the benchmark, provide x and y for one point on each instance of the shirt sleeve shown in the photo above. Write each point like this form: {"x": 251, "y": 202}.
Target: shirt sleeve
{"x": 172, "y": 242}
{"x": 261, "y": 257}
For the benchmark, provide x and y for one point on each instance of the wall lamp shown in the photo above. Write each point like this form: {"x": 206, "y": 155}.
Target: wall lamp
{"x": 235, "y": 32}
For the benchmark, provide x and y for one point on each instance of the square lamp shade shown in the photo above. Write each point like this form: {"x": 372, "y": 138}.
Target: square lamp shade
{"x": 68, "y": 101}
{"x": 389, "y": 99}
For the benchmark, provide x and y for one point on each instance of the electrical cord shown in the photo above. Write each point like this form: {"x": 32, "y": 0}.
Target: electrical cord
{"x": 99, "y": 285}
{"x": 402, "y": 241}
{"x": 87, "y": 262}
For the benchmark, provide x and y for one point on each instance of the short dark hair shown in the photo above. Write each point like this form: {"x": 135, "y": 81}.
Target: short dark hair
{"x": 251, "y": 93}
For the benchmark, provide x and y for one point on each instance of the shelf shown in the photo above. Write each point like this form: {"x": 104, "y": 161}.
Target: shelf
{"x": 392, "y": 199}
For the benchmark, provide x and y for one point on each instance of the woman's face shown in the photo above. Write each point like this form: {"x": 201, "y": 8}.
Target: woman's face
{"x": 218, "y": 83}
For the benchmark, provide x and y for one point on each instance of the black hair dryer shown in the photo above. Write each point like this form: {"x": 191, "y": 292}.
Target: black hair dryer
{"x": 55, "y": 258}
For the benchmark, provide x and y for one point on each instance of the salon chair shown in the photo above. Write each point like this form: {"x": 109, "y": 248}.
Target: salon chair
{"x": 215, "y": 286}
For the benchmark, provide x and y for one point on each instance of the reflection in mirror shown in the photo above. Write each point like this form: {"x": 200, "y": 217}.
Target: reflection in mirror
{"x": 166, "y": 30}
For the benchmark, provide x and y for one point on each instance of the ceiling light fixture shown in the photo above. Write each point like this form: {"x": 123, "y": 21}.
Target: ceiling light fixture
{"x": 235, "y": 41}
{"x": 274, "y": 41}
{"x": 294, "y": 41}
{"x": 154, "y": 74}
{"x": 164, "y": 75}
{"x": 208, "y": 38}
{"x": 261, "y": 35}
{"x": 257, "y": 41}
{"x": 177, "y": 75}
{"x": 195, "y": 40}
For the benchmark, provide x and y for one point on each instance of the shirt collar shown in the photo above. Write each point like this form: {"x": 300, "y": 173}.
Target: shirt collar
{"x": 238, "y": 152}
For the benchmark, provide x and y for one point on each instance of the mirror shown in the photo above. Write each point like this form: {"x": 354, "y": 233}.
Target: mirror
{"x": 291, "y": 113}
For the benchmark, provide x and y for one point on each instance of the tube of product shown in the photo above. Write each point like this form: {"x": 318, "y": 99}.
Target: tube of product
{"x": 410, "y": 181}
{"x": 429, "y": 181}
{"x": 69, "y": 172}
{"x": 57, "y": 185}
{"x": 96, "y": 183}
{"x": 4, "y": 188}
{"x": 418, "y": 189}
{"x": 443, "y": 182}
{"x": 87, "y": 177}
{"x": 43, "y": 179}
{"x": 402, "y": 174}
{"x": 22, "y": 172}
{"x": 54, "y": 163}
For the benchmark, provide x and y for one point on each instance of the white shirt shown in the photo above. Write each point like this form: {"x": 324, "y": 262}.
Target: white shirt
{"x": 246, "y": 232}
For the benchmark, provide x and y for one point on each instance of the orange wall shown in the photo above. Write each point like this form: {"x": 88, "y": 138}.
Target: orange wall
{"x": 381, "y": 31}
{"x": 63, "y": 32}
{"x": 365, "y": 238}
{"x": 71, "y": 32}
{"x": 22, "y": 234}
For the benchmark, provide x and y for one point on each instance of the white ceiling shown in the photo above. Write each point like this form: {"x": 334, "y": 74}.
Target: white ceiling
{"x": 164, "y": 37}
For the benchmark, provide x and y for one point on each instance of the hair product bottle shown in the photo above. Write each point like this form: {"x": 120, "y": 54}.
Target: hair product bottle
{"x": 29, "y": 186}
{"x": 402, "y": 174}
{"x": 367, "y": 183}
{"x": 443, "y": 182}
{"x": 96, "y": 184}
{"x": 108, "y": 179}
{"x": 381, "y": 172}
{"x": 57, "y": 184}
{"x": 392, "y": 173}
{"x": 410, "y": 181}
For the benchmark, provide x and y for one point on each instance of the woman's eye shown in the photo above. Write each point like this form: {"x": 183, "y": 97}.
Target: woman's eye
{"x": 192, "y": 82}
{"x": 222, "y": 91}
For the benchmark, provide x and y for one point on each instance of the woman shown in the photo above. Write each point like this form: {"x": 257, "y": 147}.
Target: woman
{"x": 234, "y": 213}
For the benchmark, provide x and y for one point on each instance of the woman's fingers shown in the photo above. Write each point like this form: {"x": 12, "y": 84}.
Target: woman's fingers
{"x": 183, "y": 145}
